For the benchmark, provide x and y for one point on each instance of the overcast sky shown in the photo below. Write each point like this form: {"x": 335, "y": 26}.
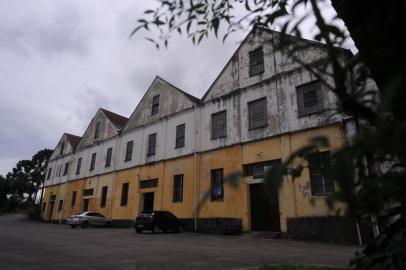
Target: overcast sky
{"x": 62, "y": 60}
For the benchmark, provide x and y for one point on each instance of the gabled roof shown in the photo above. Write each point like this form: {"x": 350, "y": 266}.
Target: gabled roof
{"x": 73, "y": 139}
{"x": 271, "y": 31}
{"x": 118, "y": 120}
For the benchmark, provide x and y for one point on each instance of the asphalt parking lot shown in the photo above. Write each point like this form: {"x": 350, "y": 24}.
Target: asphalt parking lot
{"x": 32, "y": 245}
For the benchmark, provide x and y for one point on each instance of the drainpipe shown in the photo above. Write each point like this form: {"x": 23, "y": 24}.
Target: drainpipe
{"x": 117, "y": 152}
{"x": 195, "y": 157}
{"x": 66, "y": 187}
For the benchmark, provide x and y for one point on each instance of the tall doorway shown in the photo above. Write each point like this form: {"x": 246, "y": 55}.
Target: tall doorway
{"x": 264, "y": 208}
{"x": 85, "y": 205}
{"x": 148, "y": 201}
{"x": 52, "y": 200}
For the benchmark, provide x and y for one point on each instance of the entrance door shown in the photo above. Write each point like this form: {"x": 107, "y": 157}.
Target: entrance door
{"x": 85, "y": 205}
{"x": 52, "y": 199}
{"x": 264, "y": 208}
{"x": 148, "y": 202}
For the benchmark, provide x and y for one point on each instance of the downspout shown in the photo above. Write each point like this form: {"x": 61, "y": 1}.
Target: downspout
{"x": 116, "y": 153}
{"x": 195, "y": 159}
{"x": 66, "y": 188}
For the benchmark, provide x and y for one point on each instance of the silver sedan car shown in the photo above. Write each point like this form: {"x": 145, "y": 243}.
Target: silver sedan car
{"x": 85, "y": 219}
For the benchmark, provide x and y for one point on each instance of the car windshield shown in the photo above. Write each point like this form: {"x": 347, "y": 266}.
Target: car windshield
{"x": 80, "y": 213}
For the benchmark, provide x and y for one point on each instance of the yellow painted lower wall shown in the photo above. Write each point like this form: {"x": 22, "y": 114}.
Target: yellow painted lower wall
{"x": 295, "y": 199}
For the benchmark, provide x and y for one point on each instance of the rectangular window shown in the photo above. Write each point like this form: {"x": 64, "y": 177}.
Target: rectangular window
{"x": 309, "y": 98}
{"x": 62, "y": 148}
{"x": 256, "y": 58}
{"x": 150, "y": 183}
{"x": 78, "y": 165}
{"x": 257, "y": 170}
{"x": 129, "y": 151}
{"x": 103, "y": 197}
{"x": 155, "y": 105}
{"x": 124, "y": 194}
{"x": 180, "y": 136}
{"x": 257, "y": 114}
{"x": 320, "y": 173}
{"x": 97, "y": 130}
{"x": 60, "y": 205}
{"x": 92, "y": 162}
{"x": 88, "y": 192}
{"x": 73, "y": 201}
{"x": 66, "y": 169}
{"x": 59, "y": 170}
{"x": 217, "y": 185}
{"x": 108, "y": 157}
{"x": 178, "y": 188}
{"x": 151, "y": 144}
{"x": 49, "y": 173}
{"x": 219, "y": 125}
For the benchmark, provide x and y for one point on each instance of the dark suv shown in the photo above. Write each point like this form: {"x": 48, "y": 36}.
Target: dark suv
{"x": 158, "y": 221}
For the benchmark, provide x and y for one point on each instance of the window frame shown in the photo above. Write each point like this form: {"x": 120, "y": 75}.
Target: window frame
{"x": 93, "y": 162}
{"x": 49, "y": 173}
{"x": 320, "y": 174}
{"x": 214, "y": 184}
{"x": 214, "y": 118}
{"x": 251, "y": 113}
{"x": 308, "y": 87}
{"x": 155, "y": 105}
{"x": 66, "y": 169}
{"x": 103, "y": 196}
{"x": 97, "y": 130}
{"x": 109, "y": 155}
{"x": 180, "y": 136}
{"x": 125, "y": 187}
{"x": 177, "y": 196}
{"x": 79, "y": 165}
{"x": 151, "y": 147}
{"x": 259, "y": 63}
{"x": 129, "y": 151}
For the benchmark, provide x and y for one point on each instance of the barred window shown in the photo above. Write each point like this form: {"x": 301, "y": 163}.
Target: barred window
{"x": 320, "y": 173}
{"x": 257, "y": 114}
{"x": 124, "y": 194}
{"x": 180, "y": 136}
{"x": 155, "y": 105}
{"x": 219, "y": 125}
{"x": 88, "y": 192}
{"x": 217, "y": 185}
{"x": 178, "y": 188}
{"x": 151, "y": 144}
{"x": 108, "y": 156}
{"x": 129, "y": 151}
{"x": 66, "y": 169}
{"x": 256, "y": 58}
{"x": 309, "y": 98}
{"x": 150, "y": 183}
{"x": 73, "y": 201}
{"x": 103, "y": 198}
{"x": 93, "y": 161}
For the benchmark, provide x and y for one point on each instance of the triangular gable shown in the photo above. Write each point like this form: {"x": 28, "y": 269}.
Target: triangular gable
{"x": 110, "y": 124}
{"x": 235, "y": 73}
{"x": 171, "y": 100}
{"x": 66, "y": 145}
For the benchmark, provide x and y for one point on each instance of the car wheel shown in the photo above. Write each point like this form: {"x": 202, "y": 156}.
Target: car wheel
{"x": 138, "y": 230}
{"x": 155, "y": 229}
{"x": 180, "y": 229}
{"x": 84, "y": 224}
{"x": 108, "y": 224}
{"x": 73, "y": 226}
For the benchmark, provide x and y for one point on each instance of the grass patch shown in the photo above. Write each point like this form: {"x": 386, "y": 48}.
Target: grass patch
{"x": 298, "y": 267}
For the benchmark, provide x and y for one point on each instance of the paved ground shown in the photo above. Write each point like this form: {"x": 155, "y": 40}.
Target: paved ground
{"x": 29, "y": 245}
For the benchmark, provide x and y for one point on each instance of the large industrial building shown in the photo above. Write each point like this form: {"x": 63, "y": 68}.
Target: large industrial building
{"x": 175, "y": 150}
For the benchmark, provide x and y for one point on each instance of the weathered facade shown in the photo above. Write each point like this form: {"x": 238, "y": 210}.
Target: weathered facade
{"x": 175, "y": 149}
